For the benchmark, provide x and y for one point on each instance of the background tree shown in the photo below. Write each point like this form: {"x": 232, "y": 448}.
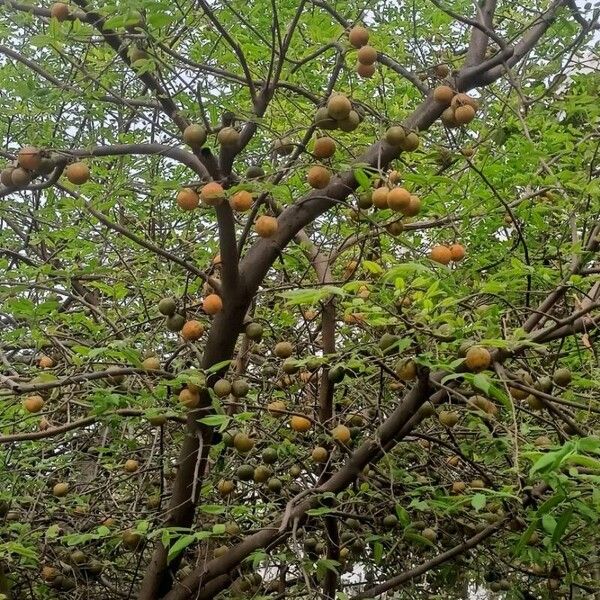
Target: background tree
{"x": 299, "y": 299}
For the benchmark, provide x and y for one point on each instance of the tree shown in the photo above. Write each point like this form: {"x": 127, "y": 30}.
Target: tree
{"x": 299, "y": 299}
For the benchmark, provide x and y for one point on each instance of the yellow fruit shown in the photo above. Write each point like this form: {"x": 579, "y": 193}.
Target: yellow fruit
{"x": 283, "y": 349}
{"x": 243, "y": 443}
{"x": 187, "y": 199}
{"x": 318, "y": 177}
{"x": 60, "y": 490}
{"x": 457, "y": 252}
{"x": 440, "y": 254}
{"x": 131, "y": 465}
{"x": 367, "y": 55}
{"x": 341, "y": 434}
{"x": 319, "y": 454}
{"x": 398, "y": 199}
{"x": 406, "y": 369}
{"x": 448, "y": 418}
{"x": 241, "y": 201}
{"x": 380, "y": 197}
{"x": 190, "y": 398}
{"x": 276, "y": 407}
{"x": 192, "y": 331}
{"x": 266, "y": 226}
{"x": 228, "y": 136}
{"x": 443, "y": 94}
{"x": 152, "y": 363}
{"x": 29, "y": 158}
{"x": 33, "y": 404}
{"x": 212, "y": 304}
{"x": 464, "y": 114}
{"x": 78, "y": 173}
{"x": 194, "y": 135}
{"x": 358, "y": 36}
{"x": 212, "y": 193}
{"x": 300, "y": 424}
{"x": 477, "y": 359}
{"x": 225, "y": 487}
{"x": 338, "y": 107}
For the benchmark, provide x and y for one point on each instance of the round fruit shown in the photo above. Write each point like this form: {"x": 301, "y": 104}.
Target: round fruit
{"x": 319, "y": 454}
{"x": 338, "y": 107}
{"x": 6, "y": 176}
{"x": 243, "y": 443}
{"x": 194, "y": 135}
{"x": 323, "y": 120}
{"x": 414, "y": 206}
{"x": 440, "y": 254}
{"x": 20, "y": 177}
{"x": 225, "y": 487}
{"x": 131, "y": 539}
{"x": 448, "y": 118}
{"x": 131, "y": 465}
{"x": 365, "y": 71}
{"x": 187, "y": 199}
{"x": 380, "y": 197}
{"x": 562, "y": 377}
{"x": 398, "y": 199}
{"x": 283, "y": 349}
{"x": 358, "y": 36}
{"x": 212, "y": 193}
{"x": 457, "y": 252}
{"x": 274, "y": 484}
{"x": 276, "y": 407}
{"x": 318, "y": 177}
{"x": 136, "y": 54}
{"x": 443, "y": 94}
{"x": 157, "y": 420}
{"x": 220, "y": 551}
{"x": 254, "y": 172}
{"x": 45, "y": 362}
{"x": 324, "y": 147}
{"x": 441, "y": 71}
{"x": 175, "y": 322}
{"x": 390, "y": 521}
{"x": 60, "y": 490}
{"x": 33, "y": 404}
{"x": 49, "y": 573}
{"x": 269, "y": 456}
{"x": 60, "y": 11}
{"x": 395, "y": 135}
{"x": 78, "y": 173}
{"x": 411, "y": 142}
{"x": 266, "y": 226}
{"x": 367, "y": 55}
{"x": 228, "y": 136}
{"x": 477, "y": 359}
{"x": 78, "y": 557}
{"x": 241, "y": 201}
{"x": 464, "y": 100}
{"x": 395, "y": 228}
{"x": 245, "y": 472}
{"x": 290, "y": 366}
{"x": 240, "y": 388}
{"x": 477, "y": 484}
{"x": 29, "y": 158}
{"x": 534, "y": 402}
{"x": 542, "y": 441}
{"x": 222, "y": 388}
{"x": 152, "y": 363}
{"x": 458, "y": 487}
{"x": 406, "y": 369}
{"x": 262, "y": 473}
{"x": 300, "y": 424}
{"x": 283, "y": 146}
{"x": 167, "y": 307}
{"x": 254, "y": 331}
{"x": 192, "y": 331}
{"x": 350, "y": 123}
{"x": 464, "y": 114}
{"x": 212, "y": 304}
{"x": 448, "y": 418}
{"x": 429, "y": 534}
{"x": 189, "y": 398}
{"x": 341, "y": 434}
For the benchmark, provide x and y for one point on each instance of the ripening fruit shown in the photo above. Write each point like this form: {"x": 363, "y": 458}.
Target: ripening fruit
{"x": 20, "y": 177}
{"x": 380, "y": 197}
{"x": 212, "y": 193}
{"x": 477, "y": 359}
{"x": 254, "y": 331}
{"x": 194, "y": 135}
{"x": 406, "y": 369}
{"x": 338, "y": 107}
{"x": 448, "y": 118}
{"x": 300, "y": 424}
{"x": 443, "y": 94}
{"x": 341, "y": 434}
{"x": 266, "y": 226}
{"x": 131, "y": 465}
{"x": 157, "y": 420}
{"x": 319, "y": 454}
{"x": 283, "y": 146}
{"x": 192, "y": 331}
{"x": 243, "y": 443}
{"x": 228, "y": 136}
{"x": 283, "y": 349}
{"x": 411, "y": 142}
{"x": 464, "y": 100}
{"x": 318, "y": 177}
{"x": 562, "y": 377}
{"x": 152, "y": 363}
{"x": 448, "y": 418}
{"x": 458, "y": 487}
{"x": 464, "y": 114}
{"x": 254, "y": 172}
{"x": 167, "y": 307}
{"x": 222, "y": 388}
{"x": 60, "y": 11}
{"x": 187, "y": 199}
{"x": 324, "y": 147}
{"x": 398, "y": 199}
{"x": 29, "y": 158}
{"x": 6, "y": 176}
{"x": 365, "y": 71}
{"x": 190, "y": 398}
{"x": 131, "y": 539}
{"x": 414, "y": 206}
{"x": 78, "y": 173}
{"x": 358, "y": 36}
{"x": 212, "y": 304}
{"x": 367, "y": 55}
{"x": 241, "y": 201}
{"x": 395, "y": 135}
{"x": 60, "y": 490}
{"x": 440, "y": 254}
{"x": 33, "y": 404}
{"x": 45, "y": 362}
{"x": 262, "y": 473}
{"x": 240, "y": 388}
{"x": 457, "y": 251}
{"x": 350, "y": 123}
{"x": 276, "y": 407}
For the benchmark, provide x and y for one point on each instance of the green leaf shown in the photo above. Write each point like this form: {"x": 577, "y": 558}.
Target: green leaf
{"x": 179, "y": 546}
{"x": 212, "y": 509}
{"x": 377, "y": 552}
{"x": 402, "y": 515}
{"x": 478, "y": 502}
{"x": 549, "y": 523}
{"x": 561, "y": 526}
{"x": 218, "y": 367}
{"x": 221, "y": 421}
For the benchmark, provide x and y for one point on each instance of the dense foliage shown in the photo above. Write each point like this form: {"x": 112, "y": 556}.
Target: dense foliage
{"x": 267, "y": 387}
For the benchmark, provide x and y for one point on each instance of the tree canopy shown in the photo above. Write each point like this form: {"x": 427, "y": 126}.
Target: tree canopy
{"x": 299, "y": 299}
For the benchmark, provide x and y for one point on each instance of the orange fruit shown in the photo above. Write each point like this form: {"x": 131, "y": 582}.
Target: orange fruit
{"x": 358, "y": 36}
{"x": 190, "y": 398}
{"x": 319, "y": 454}
{"x": 212, "y": 193}
{"x": 398, "y": 199}
{"x": 464, "y": 100}
{"x": 341, "y": 434}
{"x": 318, "y": 177}
{"x": 45, "y": 362}
{"x": 338, "y": 107}
{"x": 29, "y": 158}
{"x": 266, "y": 226}
{"x": 33, "y": 404}
{"x": 478, "y": 358}
{"x": 324, "y": 147}
{"x": 212, "y": 304}
{"x": 60, "y": 490}
{"x": 300, "y": 424}
{"x": 276, "y": 407}
{"x": 192, "y": 331}
{"x": 60, "y": 11}
{"x": 78, "y": 173}
{"x": 457, "y": 251}
{"x": 464, "y": 114}
{"x": 187, "y": 199}
{"x": 380, "y": 197}
{"x": 443, "y": 94}
{"x": 440, "y": 254}
{"x": 414, "y": 206}
{"x": 131, "y": 465}
{"x": 241, "y": 201}
{"x": 365, "y": 71}
{"x": 367, "y": 55}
